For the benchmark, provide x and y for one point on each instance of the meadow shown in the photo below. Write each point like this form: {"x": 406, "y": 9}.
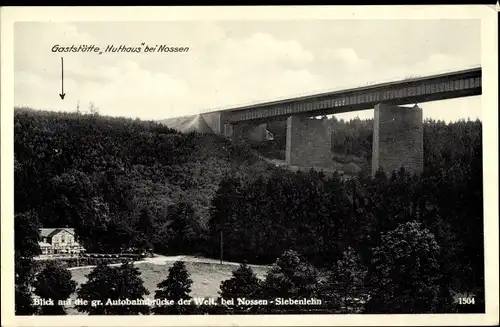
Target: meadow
{"x": 206, "y": 277}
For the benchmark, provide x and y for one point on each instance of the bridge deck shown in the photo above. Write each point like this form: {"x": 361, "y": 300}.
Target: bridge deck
{"x": 415, "y": 90}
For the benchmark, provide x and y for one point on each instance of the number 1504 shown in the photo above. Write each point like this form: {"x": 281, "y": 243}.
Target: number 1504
{"x": 466, "y": 300}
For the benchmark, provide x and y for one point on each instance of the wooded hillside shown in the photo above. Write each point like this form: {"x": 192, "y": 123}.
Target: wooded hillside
{"x": 109, "y": 177}
{"x": 123, "y": 183}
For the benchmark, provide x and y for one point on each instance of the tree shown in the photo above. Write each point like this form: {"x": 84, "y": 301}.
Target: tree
{"x": 183, "y": 228}
{"x": 222, "y": 212}
{"x": 129, "y": 285}
{"x": 107, "y": 285}
{"x": 145, "y": 222}
{"x": 75, "y": 202}
{"x": 98, "y": 287}
{"x": 93, "y": 110}
{"x": 26, "y": 247}
{"x": 405, "y": 272}
{"x": 23, "y": 301}
{"x": 26, "y": 239}
{"x": 345, "y": 282}
{"x": 145, "y": 228}
{"x": 243, "y": 284}
{"x": 55, "y": 283}
{"x": 175, "y": 288}
{"x": 291, "y": 277}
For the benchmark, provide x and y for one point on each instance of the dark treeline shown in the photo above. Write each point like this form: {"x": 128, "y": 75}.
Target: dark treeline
{"x": 123, "y": 183}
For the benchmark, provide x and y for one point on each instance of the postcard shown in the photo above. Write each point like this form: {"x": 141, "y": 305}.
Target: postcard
{"x": 249, "y": 166}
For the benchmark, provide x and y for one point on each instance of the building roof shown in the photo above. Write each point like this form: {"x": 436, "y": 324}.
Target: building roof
{"x": 49, "y": 232}
{"x": 43, "y": 244}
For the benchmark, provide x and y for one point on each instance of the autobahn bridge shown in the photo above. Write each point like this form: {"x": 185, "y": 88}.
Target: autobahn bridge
{"x": 397, "y": 132}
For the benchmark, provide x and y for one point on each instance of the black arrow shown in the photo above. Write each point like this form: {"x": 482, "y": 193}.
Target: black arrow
{"x": 62, "y": 94}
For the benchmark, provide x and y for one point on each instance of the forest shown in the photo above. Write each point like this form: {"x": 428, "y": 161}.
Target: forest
{"x": 110, "y": 177}
{"x": 124, "y": 183}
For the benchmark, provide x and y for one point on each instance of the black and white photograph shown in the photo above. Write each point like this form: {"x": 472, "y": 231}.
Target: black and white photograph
{"x": 250, "y": 166}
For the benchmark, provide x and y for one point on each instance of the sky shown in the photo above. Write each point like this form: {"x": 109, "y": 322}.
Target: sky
{"x": 231, "y": 63}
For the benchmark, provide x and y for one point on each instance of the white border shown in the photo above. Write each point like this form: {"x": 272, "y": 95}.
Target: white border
{"x": 488, "y": 17}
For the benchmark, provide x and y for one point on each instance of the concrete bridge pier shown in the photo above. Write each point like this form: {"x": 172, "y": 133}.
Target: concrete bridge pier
{"x": 248, "y": 132}
{"x": 397, "y": 139}
{"x": 308, "y": 142}
{"x": 228, "y": 130}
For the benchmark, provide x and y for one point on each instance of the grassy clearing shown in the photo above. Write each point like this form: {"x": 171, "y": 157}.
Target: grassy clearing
{"x": 206, "y": 277}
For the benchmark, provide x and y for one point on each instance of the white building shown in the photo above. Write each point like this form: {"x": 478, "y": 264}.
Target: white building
{"x": 59, "y": 241}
